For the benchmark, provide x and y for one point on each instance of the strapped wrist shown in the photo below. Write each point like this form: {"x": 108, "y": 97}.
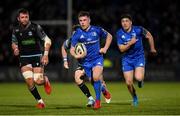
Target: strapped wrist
{"x": 46, "y": 53}
{"x": 65, "y": 59}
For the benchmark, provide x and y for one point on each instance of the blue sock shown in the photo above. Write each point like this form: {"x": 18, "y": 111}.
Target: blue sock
{"x": 103, "y": 89}
{"x": 97, "y": 88}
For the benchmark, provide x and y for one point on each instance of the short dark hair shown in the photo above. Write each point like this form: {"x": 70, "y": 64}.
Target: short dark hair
{"x": 126, "y": 16}
{"x": 83, "y": 13}
{"x": 22, "y": 10}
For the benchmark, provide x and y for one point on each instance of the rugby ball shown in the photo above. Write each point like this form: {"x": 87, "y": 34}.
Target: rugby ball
{"x": 80, "y": 48}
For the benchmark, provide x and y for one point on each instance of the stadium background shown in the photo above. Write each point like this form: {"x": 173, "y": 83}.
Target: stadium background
{"x": 161, "y": 18}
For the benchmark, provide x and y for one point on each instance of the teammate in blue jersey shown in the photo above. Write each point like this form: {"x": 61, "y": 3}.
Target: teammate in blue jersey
{"x": 129, "y": 40}
{"x": 80, "y": 74}
{"x": 93, "y": 61}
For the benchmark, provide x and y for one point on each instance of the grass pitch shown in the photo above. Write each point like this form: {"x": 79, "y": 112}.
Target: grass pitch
{"x": 67, "y": 99}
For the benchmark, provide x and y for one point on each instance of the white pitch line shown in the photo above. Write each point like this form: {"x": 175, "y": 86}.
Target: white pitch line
{"x": 122, "y": 101}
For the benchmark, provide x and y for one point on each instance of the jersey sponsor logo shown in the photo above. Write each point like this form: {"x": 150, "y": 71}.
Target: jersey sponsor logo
{"x": 91, "y": 42}
{"x": 30, "y": 41}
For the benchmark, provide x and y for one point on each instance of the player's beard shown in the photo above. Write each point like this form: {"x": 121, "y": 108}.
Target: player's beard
{"x": 24, "y": 23}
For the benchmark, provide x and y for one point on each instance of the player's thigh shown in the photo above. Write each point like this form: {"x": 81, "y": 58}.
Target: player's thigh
{"x": 97, "y": 72}
{"x": 139, "y": 73}
{"x": 139, "y": 67}
{"x": 128, "y": 76}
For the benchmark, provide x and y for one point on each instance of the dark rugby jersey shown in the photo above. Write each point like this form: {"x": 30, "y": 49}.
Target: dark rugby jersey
{"x": 29, "y": 39}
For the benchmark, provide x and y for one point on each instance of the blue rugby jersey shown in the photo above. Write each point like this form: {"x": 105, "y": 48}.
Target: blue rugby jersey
{"x": 123, "y": 37}
{"x": 91, "y": 39}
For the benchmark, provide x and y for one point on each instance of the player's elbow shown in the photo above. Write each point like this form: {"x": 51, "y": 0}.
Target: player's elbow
{"x": 122, "y": 48}
{"x": 47, "y": 41}
{"x": 110, "y": 36}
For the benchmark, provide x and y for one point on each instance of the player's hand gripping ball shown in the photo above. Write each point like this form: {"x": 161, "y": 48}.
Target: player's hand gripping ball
{"x": 80, "y": 49}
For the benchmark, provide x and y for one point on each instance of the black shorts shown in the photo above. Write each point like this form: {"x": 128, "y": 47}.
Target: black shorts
{"x": 35, "y": 61}
{"x": 79, "y": 67}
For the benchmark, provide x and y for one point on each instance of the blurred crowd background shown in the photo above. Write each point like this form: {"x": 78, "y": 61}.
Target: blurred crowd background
{"x": 161, "y": 18}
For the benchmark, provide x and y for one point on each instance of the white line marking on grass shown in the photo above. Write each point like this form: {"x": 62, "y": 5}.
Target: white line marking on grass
{"x": 130, "y": 100}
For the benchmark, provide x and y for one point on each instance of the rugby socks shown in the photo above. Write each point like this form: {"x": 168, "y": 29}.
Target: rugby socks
{"x": 103, "y": 88}
{"x": 35, "y": 93}
{"x": 132, "y": 90}
{"x": 97, "y": 88}
{"x": 85, "y": 90}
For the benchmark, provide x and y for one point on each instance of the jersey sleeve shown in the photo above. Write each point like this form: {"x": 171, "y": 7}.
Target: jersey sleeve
{"x": 143, "y": 31}
{"x": 41, "y": 32}
{"x": 103, "y": 33}
{"x": 13, "y": 38}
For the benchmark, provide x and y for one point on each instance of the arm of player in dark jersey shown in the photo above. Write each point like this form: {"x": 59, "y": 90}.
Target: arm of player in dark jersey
{"x": 150, "y": 38}
{"x": 47, "y": 44}
{"x": 64, "y": 55}
{"x": 14, "y": 45}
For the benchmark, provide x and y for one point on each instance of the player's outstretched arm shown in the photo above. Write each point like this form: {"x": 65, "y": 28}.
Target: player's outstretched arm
{"x": 151, "y": 43}
{"x": 64, "y": 55}
{"x": 107, "y": 44}
{"x": 47, "y": 45}
{"x": 125, "y": 47}
{"x": 15, "y": 49}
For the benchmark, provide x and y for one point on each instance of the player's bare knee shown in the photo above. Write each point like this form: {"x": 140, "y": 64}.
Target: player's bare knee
{"x": 139, "y": 78}
{"x": 129, "y": 82}
{"x": 78, "y": 79}
{"x": 96, "y": 78}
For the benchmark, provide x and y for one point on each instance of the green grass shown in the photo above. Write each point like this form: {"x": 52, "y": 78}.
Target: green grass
{"x": 66, "y": 98}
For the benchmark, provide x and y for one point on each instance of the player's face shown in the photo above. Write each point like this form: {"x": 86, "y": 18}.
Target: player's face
{"x": 126, "y": 24}
{"x": 84, "y": 22}
{"x": 23, "y": 18}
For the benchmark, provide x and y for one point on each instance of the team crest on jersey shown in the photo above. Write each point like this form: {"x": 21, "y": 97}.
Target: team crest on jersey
{"x": 134, "y": 34}
{"x": 30, "y": 33}
{"x": 94, "y": 34}
{"x": 16, "y": 30}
